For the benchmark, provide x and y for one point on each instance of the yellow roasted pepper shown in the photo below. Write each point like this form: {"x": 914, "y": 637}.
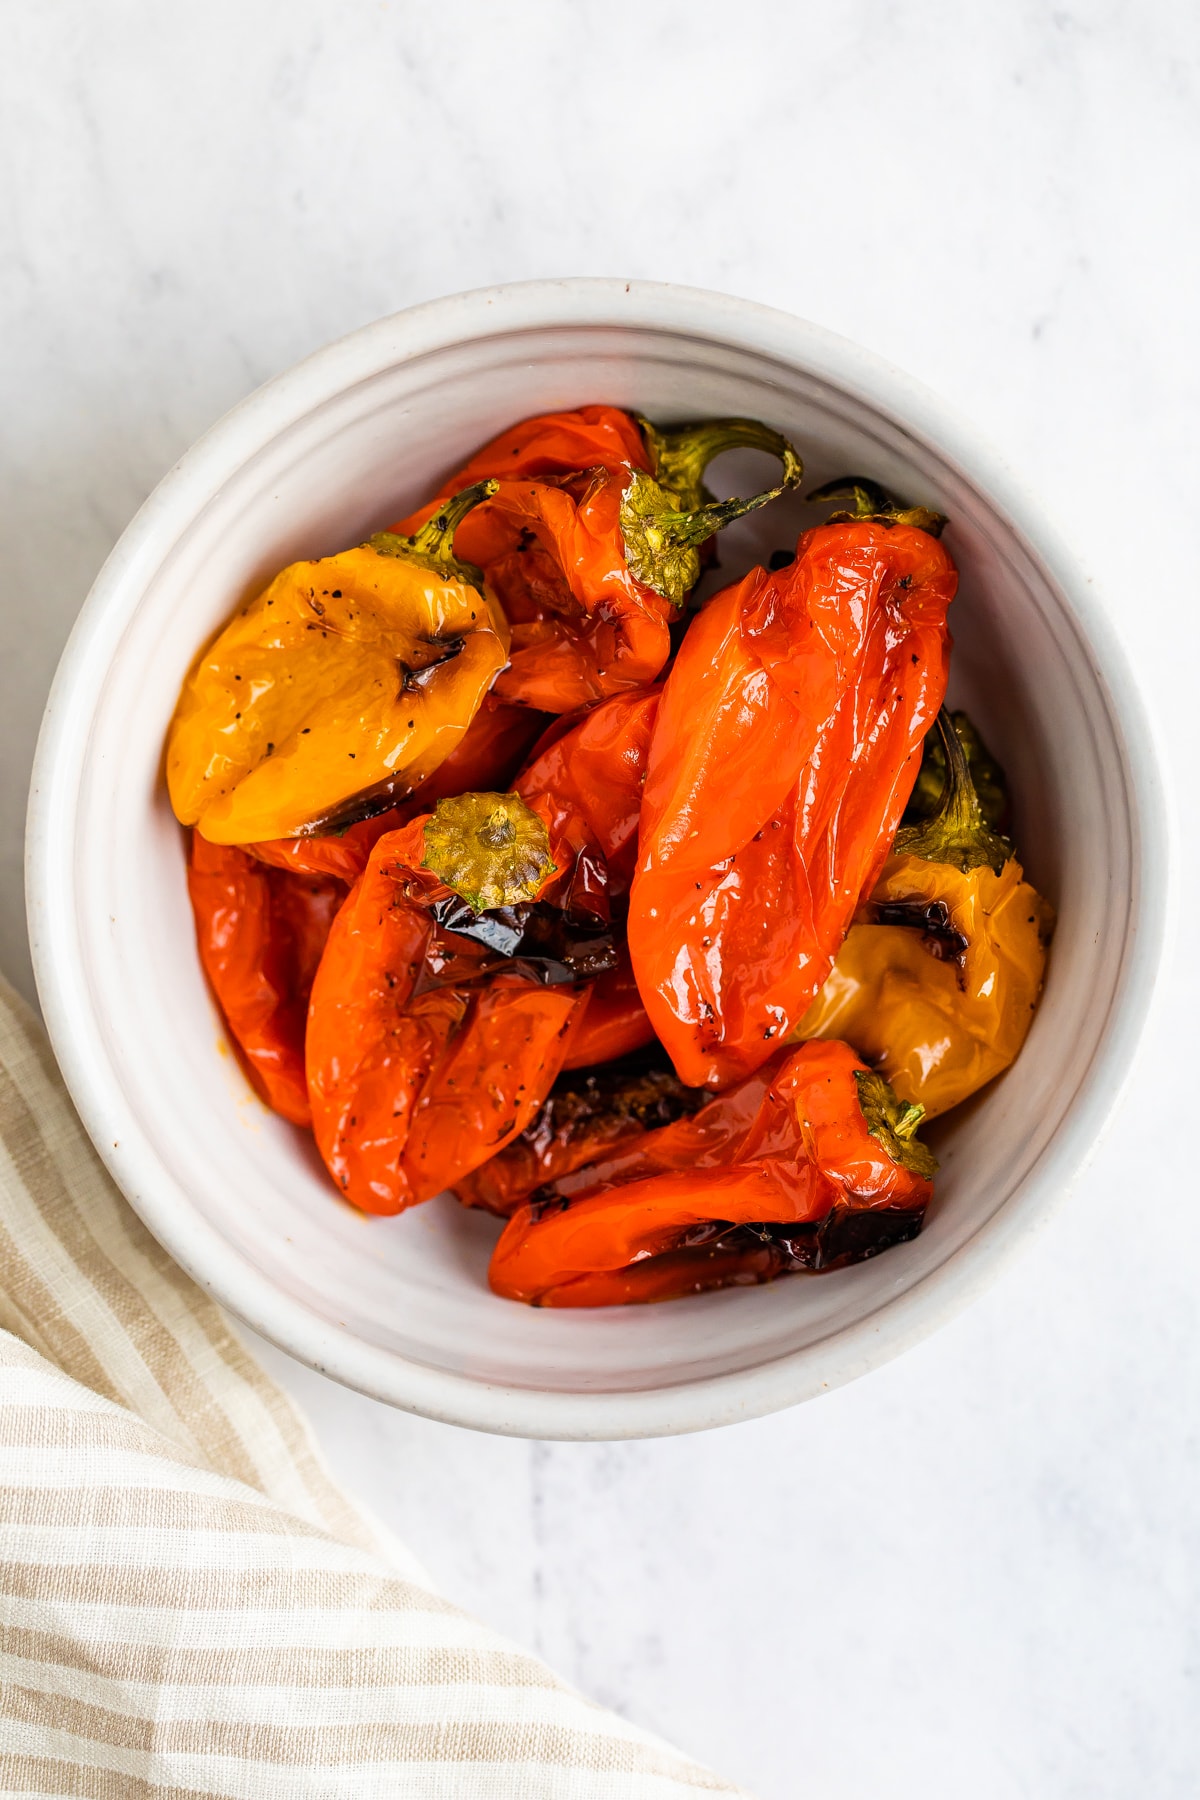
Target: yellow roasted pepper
{"x": 339, "y": 689}
{"x": 936, "y": 984}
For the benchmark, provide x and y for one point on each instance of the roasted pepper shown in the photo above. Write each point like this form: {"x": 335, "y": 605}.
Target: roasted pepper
{"x": 443, "y": 1005}
{"x": 936, "y": 986}
{"x": 485, "y": 759}
{"x": 588, "y": 781}
{"x": 808, "y": 1164}
{"x": 588, "y": 1114}
{"x": 348, "y": 677}
{"x": 260, "y": 933}
{"x": 591, "y": 566}
{"x": 786, "y": 744}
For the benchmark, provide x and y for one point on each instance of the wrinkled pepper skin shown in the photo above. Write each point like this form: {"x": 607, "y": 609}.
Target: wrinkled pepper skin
{"x": 587, "y": 1115}
{"x": 260, "y": 934}
{"x": 790, "y": 1147}
{"x": 358, "y": 673}
{"x": 589, "y": 437}
{"x": 588, "y": 782}
{"x": 426, "y": 1051}
{"x": 592, "y": 563}
{"x": 485, "y": 759}
{"x": 937, "y": 985}
{"x": 787, "y": 741}
{"x": 939, "y": 1022}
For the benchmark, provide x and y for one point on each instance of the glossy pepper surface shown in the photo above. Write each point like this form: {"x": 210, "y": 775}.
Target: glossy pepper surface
{"x": 937, "y": 985}
{"x": 588, "y": 1113}
{"x": 588, "y": 781}
{"x": 485, "y": 759}
{"x": 795, "y": 1158}
{"x": 357, "y": 674}
{"x": 786, "y": 743}
{"x": 443, "y": 1004}
{"x": 260, "y": 933}
{"x": 592, "y": 565}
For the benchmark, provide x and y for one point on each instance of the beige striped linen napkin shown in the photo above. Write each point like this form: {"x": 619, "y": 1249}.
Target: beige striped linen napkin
{"x": 189, "y": 1606}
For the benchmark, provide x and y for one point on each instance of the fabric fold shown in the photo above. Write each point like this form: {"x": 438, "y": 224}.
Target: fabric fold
{"x": 189, "y": 1604}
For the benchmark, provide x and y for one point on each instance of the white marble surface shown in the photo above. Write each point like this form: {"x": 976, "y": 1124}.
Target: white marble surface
{"x": 975, "y": 1572}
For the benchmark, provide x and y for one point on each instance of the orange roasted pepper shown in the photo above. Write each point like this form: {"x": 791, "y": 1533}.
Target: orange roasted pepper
{"x": 937, "y": 985}
{"x": 444, "y": 1002}
{"x": 485, "y": 759}
{"x": 592, "y": 563}
{"x": 347, "y": 681}
{"x": 808, "y": 1164}
{"x": 261, "y": 933}
{"x": 787, "y": 740}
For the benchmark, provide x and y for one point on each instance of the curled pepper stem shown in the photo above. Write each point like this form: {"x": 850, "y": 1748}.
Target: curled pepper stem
{"x": 681, "y": 453}
{"x": 870, "y": 501}
{"x": 957, "y": 833}
{"x": 432, "y": 544}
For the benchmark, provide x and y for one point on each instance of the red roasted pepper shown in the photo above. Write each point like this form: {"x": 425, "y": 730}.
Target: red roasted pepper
{"x": 261, "y": 932}
{"x": 444, "y": 1002}
{"x": 588, "y": 781}
{"x": 805, "y": 1165}
{"x": 787, "y": 740}
{"x": 586, "y": 1116}
{"x": 591, "y": 563}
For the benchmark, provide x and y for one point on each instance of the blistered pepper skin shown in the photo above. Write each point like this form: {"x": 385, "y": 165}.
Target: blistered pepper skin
{"x": 936, "y": 1024}
{"x": 590, "y": 781}
{"x": 421, "y": 1063}
{"x": 551, "y": 444}
{"x": 588, "y": 1114}
{"x": 591, "y": 561}
{"x": 786, "y": 1147}
{"x": 261, "y": 933}
{"x": 787, "y": 740}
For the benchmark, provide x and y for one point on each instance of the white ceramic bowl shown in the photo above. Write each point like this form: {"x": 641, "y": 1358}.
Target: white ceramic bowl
{"x": 316, "y": 460}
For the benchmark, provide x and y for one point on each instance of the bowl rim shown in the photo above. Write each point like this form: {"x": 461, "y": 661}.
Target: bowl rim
{"x": 221, "y": 1270}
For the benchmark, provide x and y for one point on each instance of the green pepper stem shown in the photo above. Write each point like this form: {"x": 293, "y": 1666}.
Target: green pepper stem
{"x": 957, "y": 833}
{"x": 662, "y": 541}
{"x": 909, "y": 1119}
{"x": 868, "y": 500}
{"x": 491, "y": 849}
{"x": 681, "y": 453}
{"x": 893, "y": 1123}
{"x": 432, "y": 544}
{"x": 696, "y": 526}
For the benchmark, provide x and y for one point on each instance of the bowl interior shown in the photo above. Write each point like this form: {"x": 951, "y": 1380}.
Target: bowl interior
{"x": 409, "y": 1295}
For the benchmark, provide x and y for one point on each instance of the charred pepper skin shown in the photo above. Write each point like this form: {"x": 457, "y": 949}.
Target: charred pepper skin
{"x": 339, "y": 688}
{"x": 787, "y": 741}
{"x": 938, "y": 983}
{"x": 592, "y": 564}
{"x": 260, "y": 933}
{"x": 429, "y": 1049}
{"x": 786, "y": 1154}
{"x": 588, "y": 1114}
